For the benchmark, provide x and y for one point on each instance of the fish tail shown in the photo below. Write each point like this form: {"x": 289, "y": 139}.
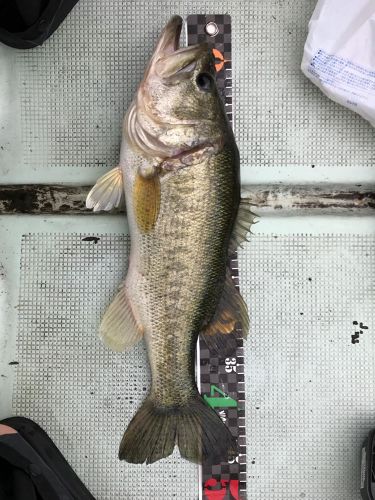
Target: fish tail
{"x": 197, "y": 430}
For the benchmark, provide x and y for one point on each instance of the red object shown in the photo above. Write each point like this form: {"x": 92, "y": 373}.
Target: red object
{"x": 219, "y": 494}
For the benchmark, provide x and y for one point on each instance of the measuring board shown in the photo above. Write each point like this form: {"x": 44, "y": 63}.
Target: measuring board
{"x": 221, "y": 379}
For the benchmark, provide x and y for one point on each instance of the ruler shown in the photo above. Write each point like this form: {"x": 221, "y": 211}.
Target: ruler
{"x": 220, "y": 379}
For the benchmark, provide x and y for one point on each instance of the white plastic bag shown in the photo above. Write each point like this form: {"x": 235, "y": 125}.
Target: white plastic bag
{"x": 339, "y": 55}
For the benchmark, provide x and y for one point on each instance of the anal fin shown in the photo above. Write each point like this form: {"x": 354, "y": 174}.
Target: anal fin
{"x": 119, "y": 328}
{"x": 221, "y": 332}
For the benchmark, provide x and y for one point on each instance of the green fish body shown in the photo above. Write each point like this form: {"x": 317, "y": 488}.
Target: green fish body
{"x": 179, "y": 168}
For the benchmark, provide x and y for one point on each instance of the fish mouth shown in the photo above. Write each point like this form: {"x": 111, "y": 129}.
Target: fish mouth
{"x": 169, "y": 58}
{"x": 169, "y": 39}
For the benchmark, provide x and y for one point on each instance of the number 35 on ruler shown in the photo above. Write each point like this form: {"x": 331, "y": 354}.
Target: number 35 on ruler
{"x": 230, "y": 365}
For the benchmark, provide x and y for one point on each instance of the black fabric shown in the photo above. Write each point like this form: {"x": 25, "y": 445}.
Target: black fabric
{"x": 40, "y": 478}
{"x": 30, "y": 462}
{"x": 28, "y": 23}
{"x": 16, "y": 484}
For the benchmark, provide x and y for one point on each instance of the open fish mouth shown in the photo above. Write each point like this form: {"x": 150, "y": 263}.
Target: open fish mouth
{"x": 169, "y": 40}
{"x": 169, "y": 58}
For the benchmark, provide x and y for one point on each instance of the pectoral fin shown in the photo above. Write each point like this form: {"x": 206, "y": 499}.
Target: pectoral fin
{"x": 108, "y": 192}
{"x": 222, "y": 331}
{"x": 146, "y": 201}
{"x": 245, "y": 219}
{"x": 119, "y": 328}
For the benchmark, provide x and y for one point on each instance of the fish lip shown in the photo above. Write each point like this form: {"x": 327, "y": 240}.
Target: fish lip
{"x": 177, "y": 23}
{"x": 169, "y": 40}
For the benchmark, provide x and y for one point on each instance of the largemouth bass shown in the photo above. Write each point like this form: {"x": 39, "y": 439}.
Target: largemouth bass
{"x": 179, "y": 170}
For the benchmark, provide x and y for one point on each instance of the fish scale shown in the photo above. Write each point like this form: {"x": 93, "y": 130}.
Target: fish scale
{"x": 182, "y": 290}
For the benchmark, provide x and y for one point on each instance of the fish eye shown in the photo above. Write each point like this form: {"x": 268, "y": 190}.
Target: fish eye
{"x": 205, "y": 82}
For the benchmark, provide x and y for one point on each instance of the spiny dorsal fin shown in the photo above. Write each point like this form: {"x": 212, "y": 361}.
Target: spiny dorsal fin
{"x": 242, "y": 227}
{"x": 146, "y": 201}
{"x": 108, "y": 192}
{"x": 119, "y": 328}
{"x": 231, "y": 311}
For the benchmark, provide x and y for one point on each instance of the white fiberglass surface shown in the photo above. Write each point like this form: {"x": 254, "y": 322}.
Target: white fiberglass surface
{"x": 309, "y": 390}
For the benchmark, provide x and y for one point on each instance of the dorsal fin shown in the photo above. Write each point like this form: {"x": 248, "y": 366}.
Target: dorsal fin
{"x": 231, "y": 312}
{"x": 242, "y": 227}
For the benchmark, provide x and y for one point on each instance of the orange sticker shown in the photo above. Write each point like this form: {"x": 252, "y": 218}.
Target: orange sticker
{"x": 219, "y": 59}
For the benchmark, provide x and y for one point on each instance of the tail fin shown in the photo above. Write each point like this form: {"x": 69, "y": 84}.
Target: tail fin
{"x": 197, "y": 430}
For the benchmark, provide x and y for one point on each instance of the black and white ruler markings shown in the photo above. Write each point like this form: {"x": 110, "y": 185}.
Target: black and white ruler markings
{"x": 221, "y": 379}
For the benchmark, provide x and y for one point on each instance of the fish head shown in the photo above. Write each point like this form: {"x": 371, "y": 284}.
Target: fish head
{"x": 177, "y": 107}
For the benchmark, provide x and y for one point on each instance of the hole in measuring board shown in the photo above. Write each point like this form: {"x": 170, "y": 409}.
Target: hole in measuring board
{"x": 211, "y": 29}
